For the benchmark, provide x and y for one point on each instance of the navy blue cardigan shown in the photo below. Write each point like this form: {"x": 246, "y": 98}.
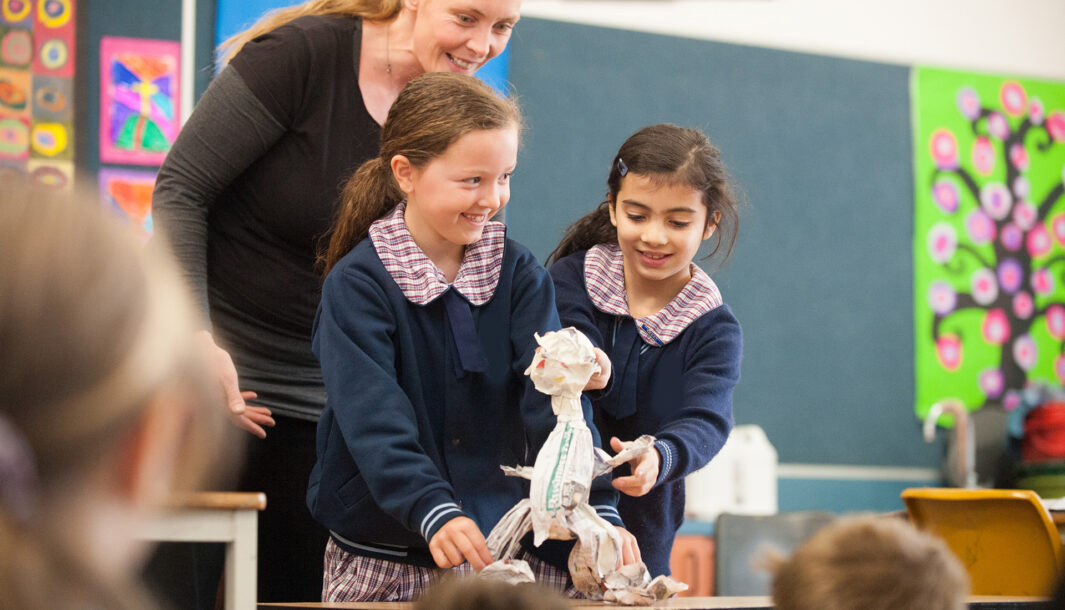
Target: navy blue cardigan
{"x": 683, "y": 397}
{"x": 407, "y": 440}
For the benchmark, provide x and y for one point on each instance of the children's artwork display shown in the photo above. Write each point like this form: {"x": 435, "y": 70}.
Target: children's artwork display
{"x": 128, "y": 193}
{"x": 37, "y": 43}
{"x": 989, "y": 237}
{"x": 139, "y": 96}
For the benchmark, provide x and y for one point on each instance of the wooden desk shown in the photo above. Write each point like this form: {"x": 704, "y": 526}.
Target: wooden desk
{"x": 226, "y": 517}
{"x": 685, "y": 603}
{"x": 976, "y": 602}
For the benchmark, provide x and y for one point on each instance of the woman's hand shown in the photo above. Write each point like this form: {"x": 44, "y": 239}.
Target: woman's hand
{"x": 460, "y": 540}
{"x": 249, "y": 417}
{"x": 599, "y": 380}
{"x": 645, "y": 469}
{"x": 630, "y": 551}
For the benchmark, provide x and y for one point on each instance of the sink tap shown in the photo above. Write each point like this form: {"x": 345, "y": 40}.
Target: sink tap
{"x": 962, "y": 473}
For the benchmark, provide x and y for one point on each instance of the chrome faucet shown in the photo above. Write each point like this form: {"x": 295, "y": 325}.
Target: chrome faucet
{"x": 963, "y": 472}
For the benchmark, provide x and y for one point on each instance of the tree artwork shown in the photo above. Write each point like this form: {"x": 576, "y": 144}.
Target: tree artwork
{"x": 989, "y": 245}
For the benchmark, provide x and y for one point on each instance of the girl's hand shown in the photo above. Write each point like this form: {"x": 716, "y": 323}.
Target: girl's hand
{"x": 644, "y": 471}
{"x": 599, "y": 380}
{"x": 250, "y": 418}
{"x": 630, "y": 551}
{"x": 460, "y": 540}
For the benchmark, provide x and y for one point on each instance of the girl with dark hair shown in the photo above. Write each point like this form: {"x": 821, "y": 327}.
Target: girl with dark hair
{"x": 624, "y": 276}
{"x": 425, "y": 327}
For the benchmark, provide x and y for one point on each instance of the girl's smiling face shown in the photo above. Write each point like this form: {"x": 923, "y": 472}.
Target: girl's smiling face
{"x": 452, "y": 197}
{"x": 660, "y": 228}
{"x": 461, "y": 35}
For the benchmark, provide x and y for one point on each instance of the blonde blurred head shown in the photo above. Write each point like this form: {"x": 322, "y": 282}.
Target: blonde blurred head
{"x": 102, "y": 403}
{"x": 873, "y": 563}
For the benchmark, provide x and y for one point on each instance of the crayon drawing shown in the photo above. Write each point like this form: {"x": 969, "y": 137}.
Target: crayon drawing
{"x": 128, "y": 194}
{"x": 139, "y": 93}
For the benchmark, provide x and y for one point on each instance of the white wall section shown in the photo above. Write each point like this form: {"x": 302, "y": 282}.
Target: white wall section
{"x": 1022, "y": 37}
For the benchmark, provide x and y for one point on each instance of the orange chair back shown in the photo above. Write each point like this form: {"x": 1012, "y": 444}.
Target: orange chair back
{"x": 1004, "y": 537}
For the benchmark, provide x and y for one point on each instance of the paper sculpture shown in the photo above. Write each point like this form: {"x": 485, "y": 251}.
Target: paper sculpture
{"x": 561, "y": 480}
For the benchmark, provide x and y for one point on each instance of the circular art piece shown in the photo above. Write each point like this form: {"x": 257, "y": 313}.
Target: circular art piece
{"x": 11, "y": 95}
{"x": 50, "y": 176}
{"x": 14, "y": 138}
{"x": 54, "y": 54}
{"x": 16, "y": 48}
{"x": 15, "y": 10}
{"x": 50, "y": 98}
{"x": 54, "y": 13}
{"x": 49, "y": 139}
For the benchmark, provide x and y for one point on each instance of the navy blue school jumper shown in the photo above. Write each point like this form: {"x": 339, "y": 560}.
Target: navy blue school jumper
{"x": 673, "y": 376}
{"x": 426, "y": 401}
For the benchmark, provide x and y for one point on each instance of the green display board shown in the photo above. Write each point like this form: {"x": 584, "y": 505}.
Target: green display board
{"x": 989, "y": 237}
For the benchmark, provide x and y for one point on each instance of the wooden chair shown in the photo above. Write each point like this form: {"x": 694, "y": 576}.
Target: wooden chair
{"x": 1004, "y": 537}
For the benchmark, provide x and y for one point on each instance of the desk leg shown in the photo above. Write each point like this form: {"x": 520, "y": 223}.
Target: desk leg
{"x": 242, "y": 554}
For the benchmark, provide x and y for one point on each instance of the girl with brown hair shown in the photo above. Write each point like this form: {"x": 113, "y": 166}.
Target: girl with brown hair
{"x": 427, "y": 322}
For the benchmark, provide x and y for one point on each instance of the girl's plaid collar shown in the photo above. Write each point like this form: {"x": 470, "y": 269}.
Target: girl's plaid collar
{"x": 604, "y": 280}
{"x": 422, "y": 281}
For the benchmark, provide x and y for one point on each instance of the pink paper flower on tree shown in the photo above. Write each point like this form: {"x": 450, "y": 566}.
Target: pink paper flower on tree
{"x": 948, "y": 350}
{"x": 944, "y": 149}
{"x": 1013, "y": 98}
{"x": 996, "y": 327}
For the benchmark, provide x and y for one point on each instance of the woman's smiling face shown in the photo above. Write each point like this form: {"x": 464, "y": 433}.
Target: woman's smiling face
{"x": 461, "y": 35}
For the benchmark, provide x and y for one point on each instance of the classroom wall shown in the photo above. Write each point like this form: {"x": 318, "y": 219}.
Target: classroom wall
{"x": 1018, "y": 38}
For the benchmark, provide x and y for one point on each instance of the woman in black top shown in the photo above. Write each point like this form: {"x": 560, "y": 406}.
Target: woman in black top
{"x": 248, "y": 191}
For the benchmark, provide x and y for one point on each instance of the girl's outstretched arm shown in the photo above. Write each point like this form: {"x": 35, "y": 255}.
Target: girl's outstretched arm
{"x": 697, "y": 430}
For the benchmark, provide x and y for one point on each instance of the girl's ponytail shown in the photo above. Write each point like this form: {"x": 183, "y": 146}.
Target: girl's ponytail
{"x": 594, "y": 228}
{"x": 369, "y": 194}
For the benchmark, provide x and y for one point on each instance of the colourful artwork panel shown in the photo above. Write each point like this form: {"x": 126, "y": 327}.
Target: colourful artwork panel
{"x": 139, "y": 99}
{"x": 16, "y": 47}
{"x": 52, "y": 174}
{"x": 989, "y": 237}
{"x": 15, "y": 92}
{"x": 53, "y": 26}
{"x": 53, "y": 99}
{"x": 14, "y": 138}
{"x": 17, "y": 12}
{"x": 51, "y": 140}
{"x": 128, "y": 194}
{"x": 37, "y": 43}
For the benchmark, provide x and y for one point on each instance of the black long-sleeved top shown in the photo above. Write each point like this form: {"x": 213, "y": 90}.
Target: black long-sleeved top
{"x": 250, "y": 188}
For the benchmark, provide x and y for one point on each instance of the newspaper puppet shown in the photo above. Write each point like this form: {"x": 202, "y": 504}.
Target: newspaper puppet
{"x": 561, "y": 479}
